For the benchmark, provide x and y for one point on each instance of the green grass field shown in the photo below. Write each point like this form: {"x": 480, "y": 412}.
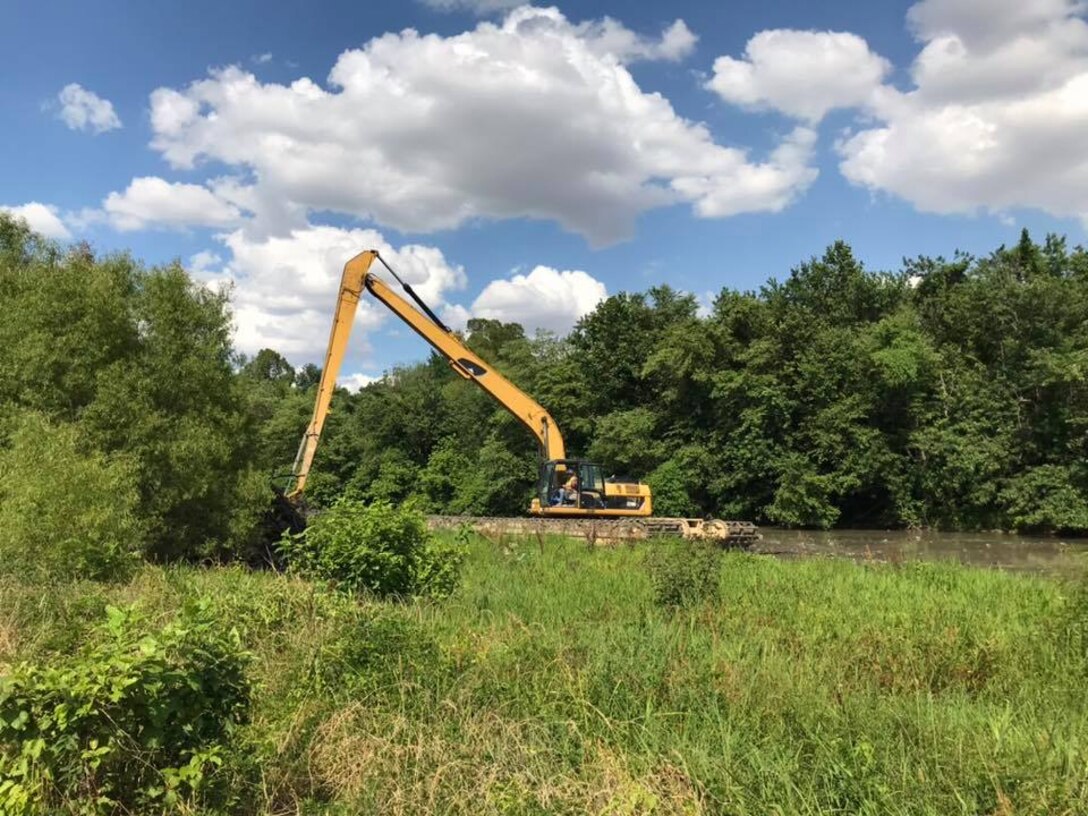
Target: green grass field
{"x": 552, "y": 682}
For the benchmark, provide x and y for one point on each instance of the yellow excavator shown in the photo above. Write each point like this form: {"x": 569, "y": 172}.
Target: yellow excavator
{"x": 567, "y": 488}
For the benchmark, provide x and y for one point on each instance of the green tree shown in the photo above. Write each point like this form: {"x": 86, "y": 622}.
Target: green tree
{"x": 140, "y": 361}
{"x": 951, "y": 393}
{"x": 499, "y": 483}
{"x": 269, "y": 366}
{"x": 669, "y": 486}
{"x": 66, "y": 513}
{"x": 440, "y": 481}
{"x": 308, "y": 376}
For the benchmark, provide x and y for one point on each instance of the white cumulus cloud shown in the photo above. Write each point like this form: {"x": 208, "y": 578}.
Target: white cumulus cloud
{"x": 356, "y": 381}
{"x": 42, "y": 218}
{"x": 534, "y": 117}
{"x": 81, "y": 109}
{"x": 801, "y": 73}
{"x": 285, "y": 287}
{"x": 986, "y": 23}
{"x": 995, "y": 118}
{"x": 455, "y": 316}
{"x": 205, "y": 261}
{"x": 150, "y": 201}
{"x": 609, "y": 37}
{"x": 546, "y": 298}
{"x": 769, "y": 187}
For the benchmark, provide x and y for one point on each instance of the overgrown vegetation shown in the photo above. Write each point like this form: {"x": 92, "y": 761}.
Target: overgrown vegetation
{"x": 556, "y": 678}
{"x": 137, "y": 721}
{"x": 375, "y": 549}
{"x": 127, "y": 369}
{"x": 66, "y": 514}
{"x": 684, "y": 573}
{"x": 552, "y": 682}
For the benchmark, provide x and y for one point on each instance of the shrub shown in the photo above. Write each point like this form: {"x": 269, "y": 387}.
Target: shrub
{"x": 438, "y": 569}
{"x": 65, "y": 514}
{"x": 670, "y": 495}
{"x": 439, "y": 481}
{"x": 136, "y": 722}
{"x": 805, "y": 498}
{"x": 495, "y": 485}
{"x": 684, "y": 573}
{"x": 377, "y": 549}
{"x": 1047, "y": 498}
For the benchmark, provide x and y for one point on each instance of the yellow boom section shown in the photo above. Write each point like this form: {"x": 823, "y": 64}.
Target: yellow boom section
{"x": 351, "y": 288}
{"x": 356, "y": 277}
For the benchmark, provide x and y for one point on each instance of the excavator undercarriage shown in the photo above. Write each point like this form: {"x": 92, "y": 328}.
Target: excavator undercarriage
{"x": 729, "y": 534}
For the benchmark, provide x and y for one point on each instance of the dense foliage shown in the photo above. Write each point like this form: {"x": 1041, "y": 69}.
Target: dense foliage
{"x": 132, "y": 371}
{"x": 376, "y": 549}
{"x": 65, "y": 514}
{"x": 135, "y": 722}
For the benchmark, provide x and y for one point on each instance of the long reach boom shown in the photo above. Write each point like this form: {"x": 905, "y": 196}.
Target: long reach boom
{"x": 357, "y": 277}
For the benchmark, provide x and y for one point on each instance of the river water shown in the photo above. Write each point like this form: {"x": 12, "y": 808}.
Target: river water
{"x": 997, "y": 550}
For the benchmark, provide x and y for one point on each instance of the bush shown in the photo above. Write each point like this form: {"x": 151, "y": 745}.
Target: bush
{"x": 670, "y": 495}
{"x": 497, "y": 485}
{"x": 136, "y": 722}
{"x": 684, "y": 573}
{"x": 1047, "y": 498}
{"x": 377, "y": 549}
{"x": 438, "y": 568}
{"x": 804, "y": 498}
{"x": 65, "y": 514}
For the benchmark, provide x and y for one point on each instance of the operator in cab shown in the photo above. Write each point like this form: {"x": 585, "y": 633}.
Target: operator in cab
{"x": 570, "y": 490}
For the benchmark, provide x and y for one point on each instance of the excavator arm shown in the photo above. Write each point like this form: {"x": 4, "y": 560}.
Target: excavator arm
{"x": 356, "y": 278}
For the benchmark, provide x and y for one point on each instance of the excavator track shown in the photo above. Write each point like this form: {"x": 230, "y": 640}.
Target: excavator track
{"x": 730, "y": 534}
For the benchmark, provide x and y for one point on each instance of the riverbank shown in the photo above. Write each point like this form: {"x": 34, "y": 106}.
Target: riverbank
{"x": 1053, "y": 555}
{"x": 552, "y": 682}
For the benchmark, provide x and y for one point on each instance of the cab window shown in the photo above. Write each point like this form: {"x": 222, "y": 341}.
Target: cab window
{"x": 548, "y": 483}
{"x": 592, "y": 478}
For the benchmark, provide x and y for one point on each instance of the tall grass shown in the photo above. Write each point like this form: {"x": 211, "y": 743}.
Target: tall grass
{"x": 552, "y": 682}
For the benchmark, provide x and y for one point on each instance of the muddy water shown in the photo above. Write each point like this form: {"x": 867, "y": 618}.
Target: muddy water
{"x": 1000, "y": 551}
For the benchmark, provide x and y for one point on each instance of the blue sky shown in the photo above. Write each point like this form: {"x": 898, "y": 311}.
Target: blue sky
{"x": 608, "y": 146}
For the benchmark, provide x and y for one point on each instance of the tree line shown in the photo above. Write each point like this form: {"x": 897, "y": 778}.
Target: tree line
{"x": 949, "y": 394}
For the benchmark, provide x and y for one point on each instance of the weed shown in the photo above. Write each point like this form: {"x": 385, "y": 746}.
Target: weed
{"x": 552, "y": 683}
{"x": 684, "y": 573}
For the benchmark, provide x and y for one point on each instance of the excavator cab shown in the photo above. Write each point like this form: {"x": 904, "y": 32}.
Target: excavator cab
{"x": 556, "y": 478}
{"x": 594, "y": 494}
